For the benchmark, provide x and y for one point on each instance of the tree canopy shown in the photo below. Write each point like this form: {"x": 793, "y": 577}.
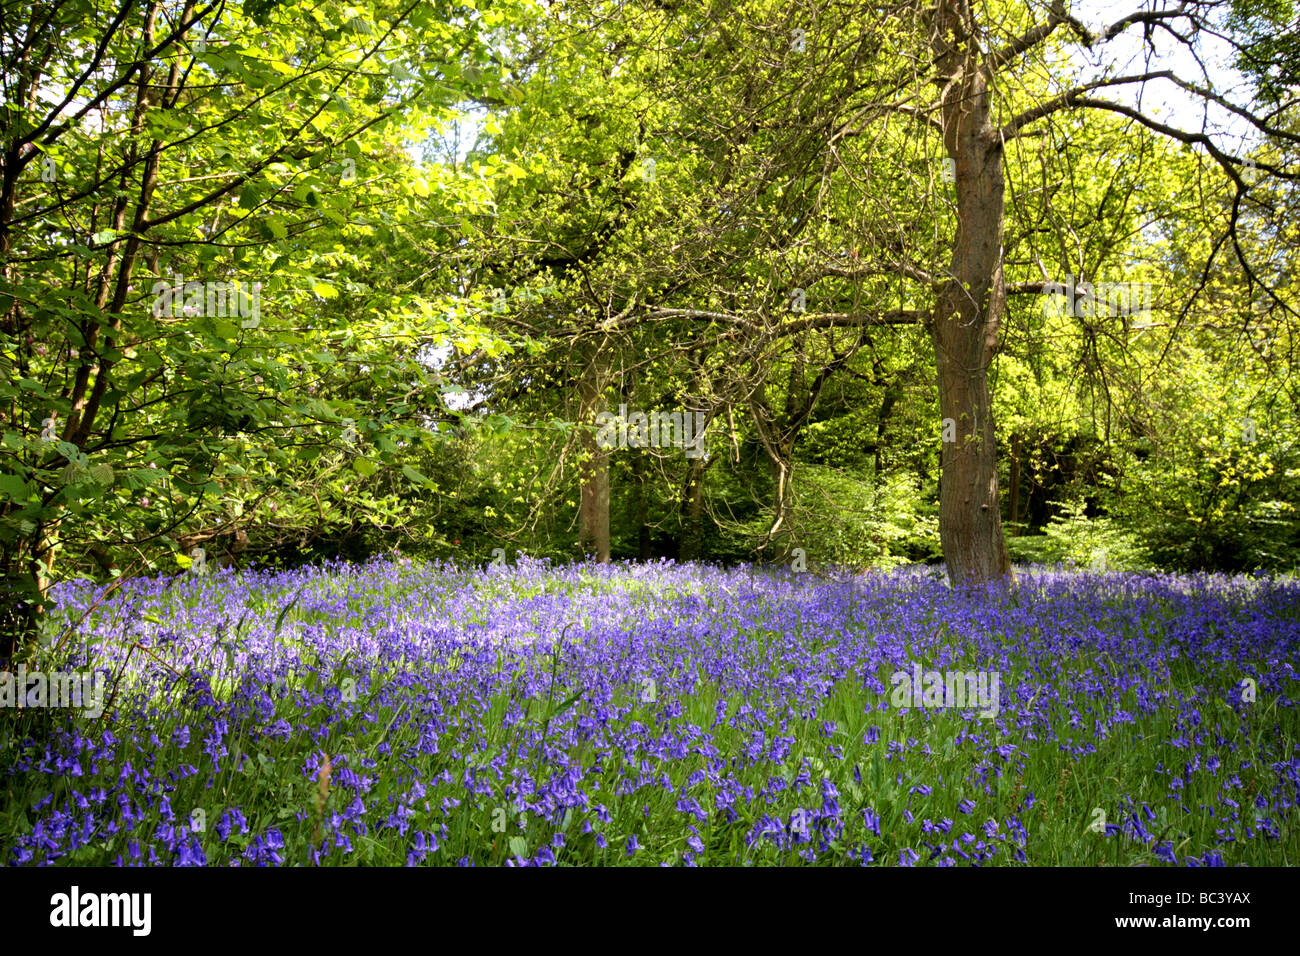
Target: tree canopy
{"x": 978, "y": 284}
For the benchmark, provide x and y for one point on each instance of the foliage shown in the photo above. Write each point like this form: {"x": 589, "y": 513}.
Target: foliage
{"x": 1071, "y": 537}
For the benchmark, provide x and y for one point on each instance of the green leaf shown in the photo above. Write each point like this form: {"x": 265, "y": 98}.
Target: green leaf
{"x": 285, "y": 610}
{"x": 572, "y": 699}
{"x": 414, "y": 476}
{"x": 14, "y": 488}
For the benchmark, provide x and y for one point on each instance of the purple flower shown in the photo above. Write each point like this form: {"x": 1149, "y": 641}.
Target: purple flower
{"x": 872, "y": 820}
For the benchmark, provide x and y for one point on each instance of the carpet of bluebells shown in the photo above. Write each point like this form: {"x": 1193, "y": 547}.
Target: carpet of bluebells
{"x": 417, "y": 714}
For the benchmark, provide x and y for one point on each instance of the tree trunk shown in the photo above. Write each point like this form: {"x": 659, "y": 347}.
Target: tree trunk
{"x": 967, "y": 317}
{"x": 641, "y": 509}
{"x": 782, "y": 461}
{"x": 24, "y": 594}
{"x": 692, "y": 540}
{"x": 593, "y": 472}
{"x": 893, "y": 392}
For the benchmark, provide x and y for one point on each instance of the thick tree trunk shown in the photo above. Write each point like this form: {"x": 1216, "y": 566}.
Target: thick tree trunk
{"x": 970, "y": 522}
{"x": 968, "y": 314}
{"x": 593, "y": 472}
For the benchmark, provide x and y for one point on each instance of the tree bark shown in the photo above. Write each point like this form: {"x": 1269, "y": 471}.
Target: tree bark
{"x": 691, "y": 547}
{"x": 967, "y": 317}
{"x": 893, "y": 391}
{"x": 593, "y": 472}
{"x": 641, "y": 509}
